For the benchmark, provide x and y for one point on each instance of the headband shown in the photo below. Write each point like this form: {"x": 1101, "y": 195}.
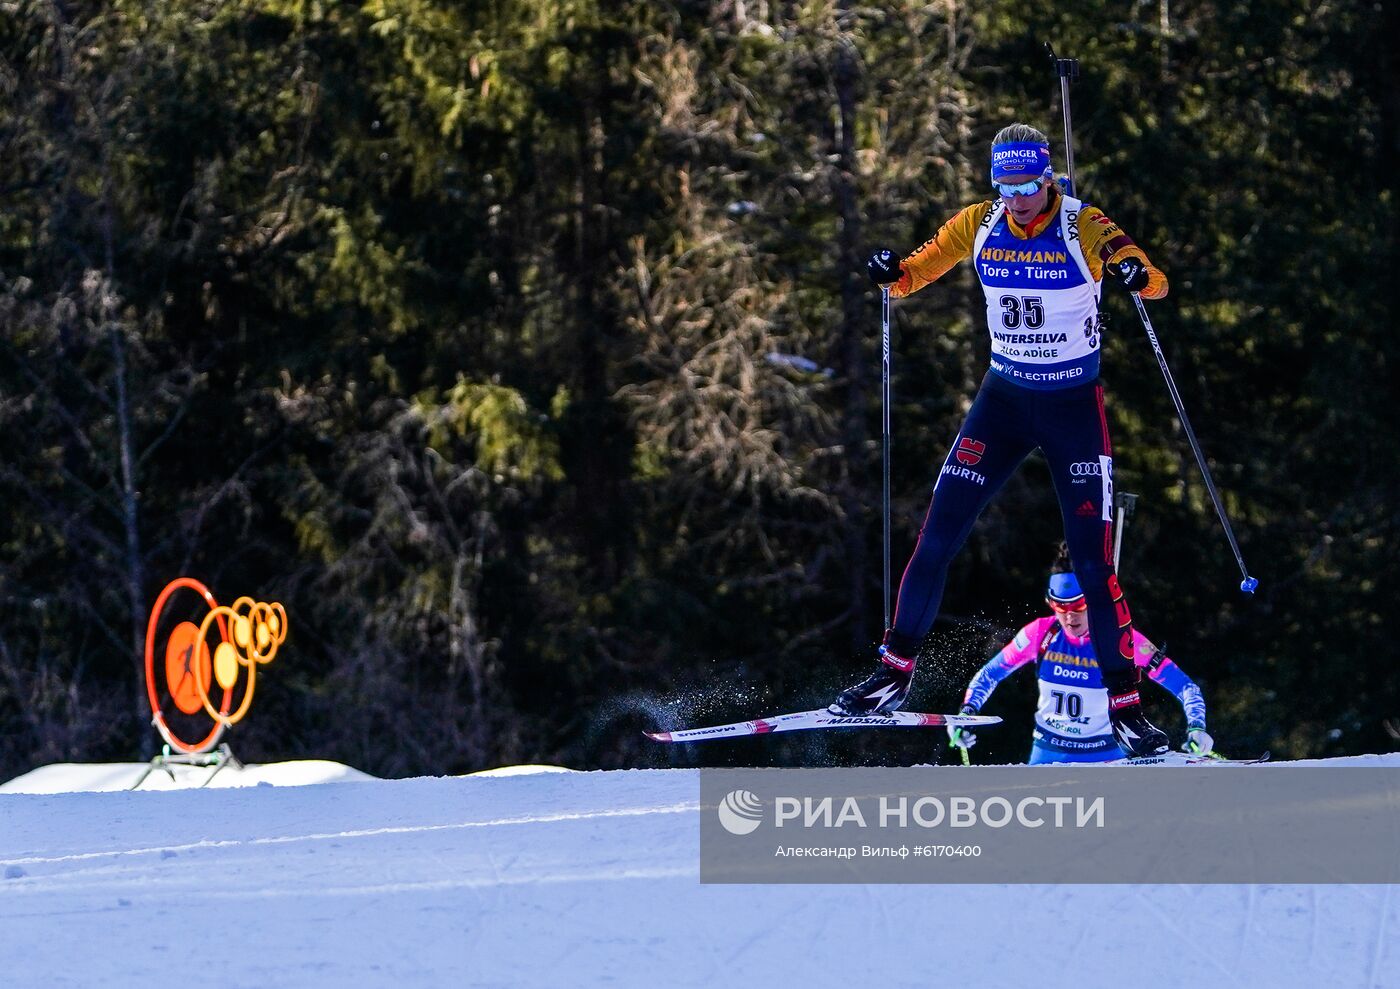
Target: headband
{"x": 1020, "y": 158}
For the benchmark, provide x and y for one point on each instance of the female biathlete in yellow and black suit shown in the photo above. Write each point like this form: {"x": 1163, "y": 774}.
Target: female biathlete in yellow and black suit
{"x": 1040, "y": 256}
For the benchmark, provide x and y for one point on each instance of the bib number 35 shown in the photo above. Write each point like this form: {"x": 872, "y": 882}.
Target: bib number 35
{"x": 1019, "y": 311}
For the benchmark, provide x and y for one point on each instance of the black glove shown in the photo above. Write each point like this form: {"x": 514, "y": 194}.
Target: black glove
{"x": 1130, "y": 273}
{"x": 883, "y": 268}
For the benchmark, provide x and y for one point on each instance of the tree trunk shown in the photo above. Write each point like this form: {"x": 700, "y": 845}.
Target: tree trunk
{"x": 856, "y": 497}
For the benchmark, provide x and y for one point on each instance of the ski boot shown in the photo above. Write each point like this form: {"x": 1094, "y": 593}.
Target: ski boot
{"x": 1132, "y": 731}
{"x": 881, "y": 692}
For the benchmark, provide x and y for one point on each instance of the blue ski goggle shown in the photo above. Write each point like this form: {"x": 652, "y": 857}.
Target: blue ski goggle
{"x": 1020, "y": 189}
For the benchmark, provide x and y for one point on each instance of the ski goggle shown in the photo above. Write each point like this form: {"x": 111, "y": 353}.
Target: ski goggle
{"x": 1019, "y": 189}
{"x": 1069, "y": 607}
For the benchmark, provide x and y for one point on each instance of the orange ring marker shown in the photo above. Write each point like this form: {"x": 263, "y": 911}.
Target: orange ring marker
{"x": 196, "y": 663}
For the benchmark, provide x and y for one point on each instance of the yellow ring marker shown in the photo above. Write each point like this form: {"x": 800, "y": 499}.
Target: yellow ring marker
{"x": 242, "y": 633}
{"x": 226, "y": 665}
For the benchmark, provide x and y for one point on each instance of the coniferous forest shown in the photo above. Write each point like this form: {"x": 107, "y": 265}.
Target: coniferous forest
{"x": 523, "y": 349}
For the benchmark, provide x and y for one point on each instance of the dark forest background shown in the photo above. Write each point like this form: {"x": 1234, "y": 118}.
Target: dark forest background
{"x": 452, "y": 326}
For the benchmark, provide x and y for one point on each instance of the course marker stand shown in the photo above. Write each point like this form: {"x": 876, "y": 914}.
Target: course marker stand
{"x": 245, "y": 635}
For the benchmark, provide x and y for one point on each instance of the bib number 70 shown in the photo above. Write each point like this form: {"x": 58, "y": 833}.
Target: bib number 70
{"x": 1018, "y": 311}
{"x": 1067, "y": 702}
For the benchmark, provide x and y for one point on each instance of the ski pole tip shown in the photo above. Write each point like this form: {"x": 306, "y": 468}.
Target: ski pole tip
{"x": 1249, "y": 584}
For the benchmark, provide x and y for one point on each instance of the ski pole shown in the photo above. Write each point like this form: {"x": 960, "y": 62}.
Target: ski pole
{"x": 1068, "y": 70}
{"x": 1124, "y": 504}
{"x": 1248, "y": 584}
{"x": 885, "y": 435}
{"x": 962, "y": 749}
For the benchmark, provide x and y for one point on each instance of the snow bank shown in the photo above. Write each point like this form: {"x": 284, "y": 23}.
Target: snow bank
{"x": 583, "y": 879}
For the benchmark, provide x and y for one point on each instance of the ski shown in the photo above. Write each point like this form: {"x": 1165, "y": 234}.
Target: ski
{"x": 822, "y": 718}
{"x": 1186, "y": 759}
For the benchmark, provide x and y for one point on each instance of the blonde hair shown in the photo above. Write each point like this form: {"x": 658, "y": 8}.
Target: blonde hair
{"x": 1019, "y": 133}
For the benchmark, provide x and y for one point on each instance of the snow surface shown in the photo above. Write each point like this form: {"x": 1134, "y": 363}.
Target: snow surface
{"x": 582, "y": 879}
{"x": 71, "y": 777}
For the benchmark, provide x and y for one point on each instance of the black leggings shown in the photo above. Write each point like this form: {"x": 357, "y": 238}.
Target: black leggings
{"x": 1006, "y": 422}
